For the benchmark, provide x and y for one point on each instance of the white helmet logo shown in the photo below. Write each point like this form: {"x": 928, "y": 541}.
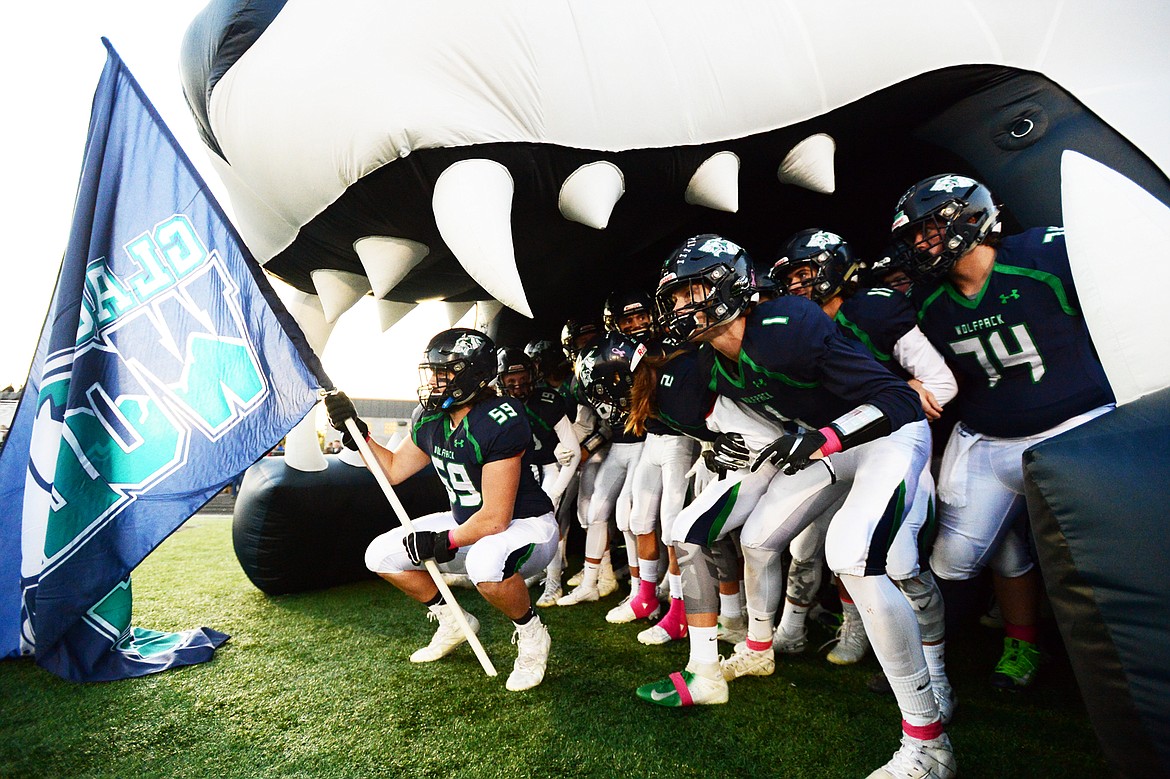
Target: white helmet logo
{"x": 717, "y": 247}
{"x": 823, "y": 240}
{"x": 467, "y": 343}
{"x": 585, "y": 369}
{"x": 949, "y": 184}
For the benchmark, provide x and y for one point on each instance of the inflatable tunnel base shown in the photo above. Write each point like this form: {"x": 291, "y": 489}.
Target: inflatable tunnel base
{"x": 1098, "y": 498}
{"x": 295, "y": 531}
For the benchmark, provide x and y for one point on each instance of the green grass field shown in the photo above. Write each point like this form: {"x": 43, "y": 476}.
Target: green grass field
{"x": 318, "y": 685}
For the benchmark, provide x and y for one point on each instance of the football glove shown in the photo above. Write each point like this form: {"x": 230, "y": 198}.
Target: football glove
{"x": 340, "y": 408}
{"x": 429, "y": 545}
{"x": 729, "y": 452}
{"x": 791, "y": 453}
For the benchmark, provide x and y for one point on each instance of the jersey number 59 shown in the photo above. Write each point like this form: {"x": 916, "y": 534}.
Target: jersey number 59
{"x": 459, "y": 485}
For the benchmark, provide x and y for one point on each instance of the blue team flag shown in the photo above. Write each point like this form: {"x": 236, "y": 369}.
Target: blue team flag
{"x": 166, "y": 366}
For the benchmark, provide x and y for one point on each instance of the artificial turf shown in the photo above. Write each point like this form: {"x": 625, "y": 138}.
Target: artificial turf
{"x": 318, "y": 685}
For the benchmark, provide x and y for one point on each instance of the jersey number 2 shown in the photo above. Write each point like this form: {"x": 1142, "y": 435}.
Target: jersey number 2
{"x": 993, "y": 354}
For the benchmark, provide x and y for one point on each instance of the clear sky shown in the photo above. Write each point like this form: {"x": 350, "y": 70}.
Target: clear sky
{"x": 52, "y": 58}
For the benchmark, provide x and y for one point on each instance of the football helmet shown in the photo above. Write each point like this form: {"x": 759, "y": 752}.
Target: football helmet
{"x": 940, "y": 219}
{"x": 578, "y": 333}
{"x": 605, "y": 375}
{"x": 706, "y": 282}
{"x": 548, "y": 357}
{"x": 828, "y": 256}
{"x": 631, "y": 313}
{"x": 515, "y": 372}
{"x": 457, "y": 365}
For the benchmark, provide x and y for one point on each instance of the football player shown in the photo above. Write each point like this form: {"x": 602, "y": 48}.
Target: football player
{"x": 821, "y": 266}
{"x": 500, "y": 528}
{"x": 551, "y": 428}
{"x": 789, "y": 363}
{"x": 1005, "y": 314}
{"x": 603, "y": 372}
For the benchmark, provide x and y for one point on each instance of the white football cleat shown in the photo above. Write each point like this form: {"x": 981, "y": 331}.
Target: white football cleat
{"x": 576, "y": 578}
{"x": 607, "y": 584}
{"x": 915, "y": 759}
{"x": 552, "y": 591}
{"x": 789, "y": 645}
{"x": 580, "y": 594}
{"x": 446, "y": 638}
{"x": 852, "y": 642}
{"x": 631, "y": 609}
{"x": 944, "y": 696}
{"x": 733, "y": 630}
{"x": 748, "y": 662}
{"x": 533, "y": 643}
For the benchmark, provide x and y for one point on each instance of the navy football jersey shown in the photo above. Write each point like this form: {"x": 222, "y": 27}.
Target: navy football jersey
{"x": 796, "y": 364}
{"x": 878, "y": 317}
{"x": 545, "y": 407}
{"x": 1021, "y": 345}
{"x": 492, "y": 430}
{"x": 683, "y": 397}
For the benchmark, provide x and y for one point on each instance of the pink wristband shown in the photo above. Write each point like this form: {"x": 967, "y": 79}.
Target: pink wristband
{"x": 832, "y": 443}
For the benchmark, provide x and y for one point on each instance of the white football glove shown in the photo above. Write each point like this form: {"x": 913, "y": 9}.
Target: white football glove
{"x": 564, "y": 455}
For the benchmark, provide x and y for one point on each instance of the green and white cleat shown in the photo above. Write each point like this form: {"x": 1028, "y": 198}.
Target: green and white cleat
{"x": 1017, "y": 666}
{"x": 703, "y": 685}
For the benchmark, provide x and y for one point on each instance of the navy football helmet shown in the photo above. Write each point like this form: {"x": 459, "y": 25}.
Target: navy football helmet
{"x": 709, "y": 278}
{"x": 577, "y": 333}
{"x": 548, "y": 357}
{"x": 605, "y": 375}
{"x": 631, "y": 313}
{"x": 940, "y": 219}
{"x": 515, "y": 372}
{"x": 457, "y": 365}
{"x": 828, "y": 256}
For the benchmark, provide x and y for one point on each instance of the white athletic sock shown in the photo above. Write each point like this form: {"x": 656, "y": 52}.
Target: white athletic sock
{"x": 675, "y": 580}
{"x": 592, "y": 570}
{"x": 760, "y": 625}
{"x": 635, "y": 583}
{"x": 648, "y": 570}
{"x": 704, "y": 645}
{"x": 936, "y": 661}
{"x": 792, "y": 619}
{"x": 729, "y": 605}
{"x": 915, "y": 698}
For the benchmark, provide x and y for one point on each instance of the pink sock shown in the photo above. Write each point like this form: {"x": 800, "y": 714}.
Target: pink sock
{"x": 675, "y": 621}
{"x": 758, "y": 646}
{"x": 1020, "y": 632}
{"x": 646, "y": 592}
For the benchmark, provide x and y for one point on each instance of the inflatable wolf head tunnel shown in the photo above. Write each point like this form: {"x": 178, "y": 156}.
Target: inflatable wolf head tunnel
{"x": 542, "y": 154}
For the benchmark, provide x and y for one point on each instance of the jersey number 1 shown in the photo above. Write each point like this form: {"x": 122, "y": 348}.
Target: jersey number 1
{"x": 993, "y": 354}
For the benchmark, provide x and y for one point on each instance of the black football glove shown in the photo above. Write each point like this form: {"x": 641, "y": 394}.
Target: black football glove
{"x": 340, "y": 408}
{"x": 729, "y": 452}
{"x": 427, "y": 545}
{"x": 791, "y": 453}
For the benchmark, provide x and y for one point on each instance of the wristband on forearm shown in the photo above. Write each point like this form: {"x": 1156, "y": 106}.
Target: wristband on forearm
{"x": 860, "y": 426}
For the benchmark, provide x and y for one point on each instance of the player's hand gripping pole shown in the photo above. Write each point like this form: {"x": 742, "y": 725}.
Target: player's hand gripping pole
{"x": 433, "y": 569}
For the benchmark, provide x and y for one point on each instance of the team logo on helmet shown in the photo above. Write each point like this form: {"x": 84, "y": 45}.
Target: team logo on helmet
{"x": 823, "y": 240}
{"x": 585, "y": 372}
{"x": 467, "y": 343}
{"x": 717, "y": 247}
{"x": 949, "y": 184}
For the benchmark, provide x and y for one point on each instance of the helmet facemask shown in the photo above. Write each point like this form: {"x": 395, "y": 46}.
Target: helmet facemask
{"x": 690, "y": 306}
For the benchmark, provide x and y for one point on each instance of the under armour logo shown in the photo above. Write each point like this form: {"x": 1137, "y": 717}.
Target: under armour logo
{"x": 459, "y": 442}
{"x": 1013, "y": 295}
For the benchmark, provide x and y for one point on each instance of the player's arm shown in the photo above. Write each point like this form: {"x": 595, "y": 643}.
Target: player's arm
{"x": 501, "y": 480}
{"x": 933, "y": 380}
{"x": 405, "y": 461}
{"x": 567, "y": 441}
{"x": 399, "y": 465}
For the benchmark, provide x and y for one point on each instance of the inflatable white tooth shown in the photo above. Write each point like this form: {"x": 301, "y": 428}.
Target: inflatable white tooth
{"x": 473, "y": 211}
